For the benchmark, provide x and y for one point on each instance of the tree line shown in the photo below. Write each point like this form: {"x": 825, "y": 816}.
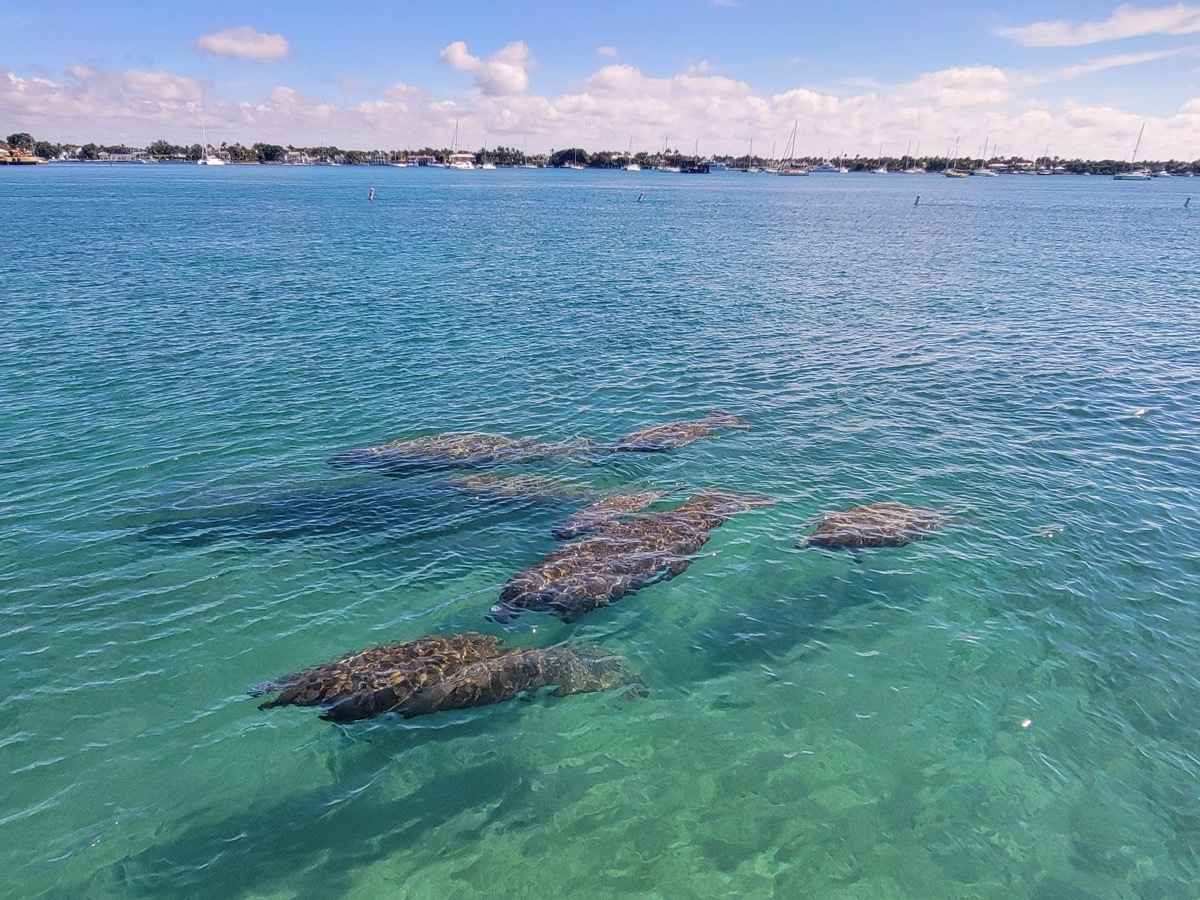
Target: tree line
{"x": 164, "y": 150}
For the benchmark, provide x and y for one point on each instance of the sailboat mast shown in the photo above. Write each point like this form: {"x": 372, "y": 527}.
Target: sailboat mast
{"x": 1133, "y": 159}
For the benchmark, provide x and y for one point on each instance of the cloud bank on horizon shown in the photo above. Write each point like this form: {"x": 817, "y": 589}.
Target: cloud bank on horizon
{"x": 1034, "y": 94}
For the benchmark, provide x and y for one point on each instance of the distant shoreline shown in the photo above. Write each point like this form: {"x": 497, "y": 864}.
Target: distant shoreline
{"x": 24, "y": 149}
{"x": 938, "y": 168}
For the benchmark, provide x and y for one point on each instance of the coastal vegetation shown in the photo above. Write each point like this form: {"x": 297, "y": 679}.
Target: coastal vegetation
{"x": 163, "y": 150}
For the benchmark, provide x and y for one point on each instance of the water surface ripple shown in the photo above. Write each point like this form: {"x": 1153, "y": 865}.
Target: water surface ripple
{"x": 1006, "y": 710}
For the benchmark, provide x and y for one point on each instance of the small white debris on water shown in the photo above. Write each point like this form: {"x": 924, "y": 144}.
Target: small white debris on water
{"x": 1027, "y": 723}
{"x": 1141, "y": 412}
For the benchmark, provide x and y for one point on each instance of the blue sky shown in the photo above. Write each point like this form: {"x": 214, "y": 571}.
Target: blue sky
{"x": 1081, "y": 77}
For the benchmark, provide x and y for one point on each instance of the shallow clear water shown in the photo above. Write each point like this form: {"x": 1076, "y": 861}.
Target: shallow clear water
{"x": 1007, "y": 710}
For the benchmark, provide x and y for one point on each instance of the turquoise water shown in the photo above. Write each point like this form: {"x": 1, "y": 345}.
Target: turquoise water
{"x": 1010, "y": 709}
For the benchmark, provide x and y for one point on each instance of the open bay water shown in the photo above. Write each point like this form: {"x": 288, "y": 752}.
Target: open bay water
{"x": 1009, "y": 709}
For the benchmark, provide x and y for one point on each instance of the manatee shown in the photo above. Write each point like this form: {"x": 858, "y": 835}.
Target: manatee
{"x": 450, "y": 450}
{"x": 520, "y": 672}
{"x": 514, "y": 487}
{"x": 873, "y": 525}
{"x": 610, "y": 509}
{"x": 620, "y": 559}
{"x": 678, "y": 434}
{"x": 378, "y": 679}
{"x": 437, "y": 673}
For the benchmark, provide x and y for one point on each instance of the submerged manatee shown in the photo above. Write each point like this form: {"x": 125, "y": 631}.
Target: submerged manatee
{"x": 451, "y": 450}
{"x": 378, "y": 679}
{"x": 678, "y": 434}
{"x": 622, "y": 558}
{"x": 610, "y": 509}
{"x": 874, "y": 525}
{"x": 571, "y": 671}
{"x": 436, "y": 673}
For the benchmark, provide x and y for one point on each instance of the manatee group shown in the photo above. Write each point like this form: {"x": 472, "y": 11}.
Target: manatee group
{"x": 450, "y": 450}
{"x": 620, "y": 559}
{"x": 461, "y": 449}
{"x": 614, "y": 548}
{"x": 873, "y": 525}
{"x": 436, "y": 673}
{"x": 678, "y": 434}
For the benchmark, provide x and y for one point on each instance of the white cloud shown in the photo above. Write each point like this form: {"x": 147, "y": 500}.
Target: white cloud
{"x": 606, "y": 51}
{"x": 1126, "y": 21}
{"x": 162, "y": 86}
{"x": 962, "y": 86}
{"x": 93, "y": 104}
{"x": 245, "y": 43}
{"x": 500, "y": 75}
{"x": 612, "y": 104}
{"x": 1114, "y": 62}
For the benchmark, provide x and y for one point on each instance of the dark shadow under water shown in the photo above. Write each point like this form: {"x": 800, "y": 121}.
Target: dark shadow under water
{"x": 804, "y": 615}
{"x": 312, "y": 844}
{"x": 400, "y": 509}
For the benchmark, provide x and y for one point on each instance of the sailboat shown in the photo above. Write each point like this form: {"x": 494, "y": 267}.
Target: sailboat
{"x": 982, "y": 168}
{"x": 663, "y": 162}
{"x": 1045, "y": 169}
{"x": 883, "y": 169}
{"x": 825, "y": 165}
{"x": 769, "y": 165}
{"x": 1134, "y": 174}
{"x": 789, "y": 166}
{"x": 953, "y": 172}
{"x": 526, "y": 164}
{"x": 459, "y": 160}
{"x": 205, "y": 159}
{"x": 485, "y": 164}
{"x": 751, "y": 168}
{"x": 916, "y": 168}
{"x": 631, "y": 166}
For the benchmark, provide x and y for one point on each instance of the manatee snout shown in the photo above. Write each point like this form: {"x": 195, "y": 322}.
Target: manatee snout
{"x": 501, "y": 614}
